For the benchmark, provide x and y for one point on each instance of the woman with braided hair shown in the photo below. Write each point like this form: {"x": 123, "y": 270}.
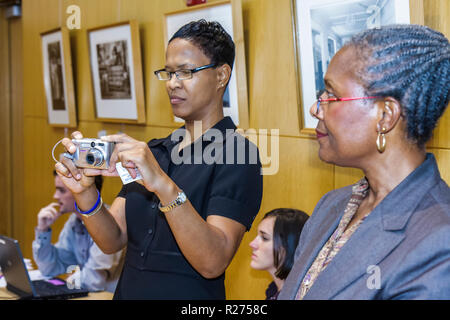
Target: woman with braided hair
{"x": 388, "y": 235}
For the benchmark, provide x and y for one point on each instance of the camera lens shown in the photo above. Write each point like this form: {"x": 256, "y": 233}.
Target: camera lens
{"x": 90, "y": 159}
{"x": 94, "y": 157}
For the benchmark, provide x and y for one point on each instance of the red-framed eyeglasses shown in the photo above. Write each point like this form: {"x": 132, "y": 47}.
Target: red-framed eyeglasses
{"x": 321, "y": 100}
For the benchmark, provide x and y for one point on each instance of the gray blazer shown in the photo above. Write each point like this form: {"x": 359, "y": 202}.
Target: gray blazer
{"x": 400, "y": 251}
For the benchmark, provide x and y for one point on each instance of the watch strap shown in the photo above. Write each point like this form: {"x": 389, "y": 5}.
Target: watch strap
{"x": 181, "y": 198}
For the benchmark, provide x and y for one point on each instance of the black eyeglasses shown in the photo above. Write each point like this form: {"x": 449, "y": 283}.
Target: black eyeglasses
{"x": 183, "y": 74}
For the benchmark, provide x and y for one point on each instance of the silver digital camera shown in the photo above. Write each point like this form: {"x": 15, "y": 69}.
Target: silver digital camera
{"x": 92, "y": 153}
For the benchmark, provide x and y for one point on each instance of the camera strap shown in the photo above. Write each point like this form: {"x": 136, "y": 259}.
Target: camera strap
{"x": 65, "y": 154}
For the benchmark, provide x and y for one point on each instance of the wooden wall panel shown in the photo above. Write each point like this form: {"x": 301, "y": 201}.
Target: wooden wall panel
{"x": 11, "y": 123}
{"x": 16, "y": 124}
{"x": 34, "y": 23}
{"x": 5, "y": 127}
{"x": 302, "y": 178}
{"x": 437, "y": 13}
{"x": 270, "y": 66}
{"x": 443, "y": 160}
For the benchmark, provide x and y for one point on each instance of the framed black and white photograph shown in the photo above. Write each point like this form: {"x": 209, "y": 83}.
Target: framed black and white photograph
{"x": 116, "y": 69}
{"x": 58, "y": 78}
{"x": 229, "y": 15}
{"x": 321, "y": 28}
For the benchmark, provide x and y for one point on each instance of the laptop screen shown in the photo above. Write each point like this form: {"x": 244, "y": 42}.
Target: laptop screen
{"x": 13, "y": 267}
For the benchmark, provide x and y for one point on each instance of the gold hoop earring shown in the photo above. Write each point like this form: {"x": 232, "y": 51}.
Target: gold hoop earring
{"x": 381, "y": 141}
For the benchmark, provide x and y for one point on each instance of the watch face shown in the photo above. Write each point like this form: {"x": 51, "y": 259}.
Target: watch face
{"x": 182, "y": 197}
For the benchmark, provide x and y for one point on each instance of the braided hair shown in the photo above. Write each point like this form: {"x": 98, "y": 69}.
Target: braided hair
{"x": 410, "y": 63}
{"x": 211, "y": 38}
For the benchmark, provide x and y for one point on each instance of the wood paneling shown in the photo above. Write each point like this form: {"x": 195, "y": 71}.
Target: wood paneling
{"x": 11, "y": 124}
{"x": 270, "y": 66}
{"x": 443, "y": 160}
{"x": 5, "y": 127}
{"x": 16, "y": 125}
{"x": 437, "y": 13}
{"x": 302, "y": 178}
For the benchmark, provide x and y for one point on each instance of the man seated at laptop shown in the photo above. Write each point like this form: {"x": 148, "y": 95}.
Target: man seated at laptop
{"x": 75, "y": 247}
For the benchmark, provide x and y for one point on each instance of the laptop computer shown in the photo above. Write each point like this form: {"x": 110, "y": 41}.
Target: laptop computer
{"x": 18, "y": 280}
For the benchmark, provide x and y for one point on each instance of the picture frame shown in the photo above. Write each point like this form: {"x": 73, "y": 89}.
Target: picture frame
{"x": 58, "y": 78}
{"x": 229, "y": 14}
{"x": 315, "y": 44}
{"x": 116, "y": 70}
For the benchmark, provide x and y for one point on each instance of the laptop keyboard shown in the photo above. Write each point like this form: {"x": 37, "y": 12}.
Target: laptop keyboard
{"x": 43, "y": 288}
{"x": 46, "y": 289}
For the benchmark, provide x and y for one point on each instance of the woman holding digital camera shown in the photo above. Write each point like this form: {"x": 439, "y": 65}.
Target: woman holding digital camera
{"x": 181, "y": 223}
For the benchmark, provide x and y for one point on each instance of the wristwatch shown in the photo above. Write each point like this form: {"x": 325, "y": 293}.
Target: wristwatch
{"x": 175, "y": 203}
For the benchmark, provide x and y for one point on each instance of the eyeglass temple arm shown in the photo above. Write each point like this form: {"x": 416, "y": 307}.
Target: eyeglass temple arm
{"x": 357, "y": 98}
{"x": 202, "y": 67}
{"x": 342, "y": 99}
